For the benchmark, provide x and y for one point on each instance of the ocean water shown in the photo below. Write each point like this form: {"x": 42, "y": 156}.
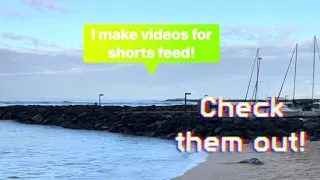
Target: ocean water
{"x": 48, "y": 152}
{"x": 104, "y": 102}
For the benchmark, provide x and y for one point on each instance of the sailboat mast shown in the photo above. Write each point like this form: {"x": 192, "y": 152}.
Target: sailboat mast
{"x": 314, "y": 63}
{"x": 295, "y": 73}
{"x": 284, "y": 79}
{"x": 254, "y": 63}
{"x": 258, "y": 69}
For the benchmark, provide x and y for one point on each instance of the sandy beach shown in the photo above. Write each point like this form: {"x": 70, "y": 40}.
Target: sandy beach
{"x": 278, "y": 166}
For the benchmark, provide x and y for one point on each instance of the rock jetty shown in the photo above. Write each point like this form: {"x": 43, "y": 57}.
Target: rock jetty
{"x": 155, "y": 121}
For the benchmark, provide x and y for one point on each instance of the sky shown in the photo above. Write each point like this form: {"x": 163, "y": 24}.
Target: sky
{"x": 41, "y": 45}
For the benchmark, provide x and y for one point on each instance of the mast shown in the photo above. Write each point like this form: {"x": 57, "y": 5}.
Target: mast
{"x": 314, "y": 62}
{"x": 284, "y": 79}
{"x": 253, "y": 94}
{"x": 258, "y": 69}
{"x": 295, "y": 73}
{"x": 254, "y": 63}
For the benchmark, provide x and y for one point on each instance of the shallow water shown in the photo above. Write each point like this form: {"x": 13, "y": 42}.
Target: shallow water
{"x": 46, "y": 152}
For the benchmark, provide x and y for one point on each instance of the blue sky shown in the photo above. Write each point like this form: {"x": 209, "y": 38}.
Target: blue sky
{"x": 32, "y": 30}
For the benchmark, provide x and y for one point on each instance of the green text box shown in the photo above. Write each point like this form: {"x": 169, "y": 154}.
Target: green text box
{"x": 151, "y": 44}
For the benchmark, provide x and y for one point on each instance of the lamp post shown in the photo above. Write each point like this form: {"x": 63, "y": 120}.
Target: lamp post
{"x": 185, "y": 102}
{"x": 100, "y": 98}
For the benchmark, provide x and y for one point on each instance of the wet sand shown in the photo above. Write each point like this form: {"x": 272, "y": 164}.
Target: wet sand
{"x": 278, "y": 166}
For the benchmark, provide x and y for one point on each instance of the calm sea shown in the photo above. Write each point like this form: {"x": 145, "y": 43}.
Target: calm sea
{"x": 104, "y": 102}
{"x": 46, "y": 152}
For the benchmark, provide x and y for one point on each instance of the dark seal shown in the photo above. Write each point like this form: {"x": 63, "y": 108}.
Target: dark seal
{"x": 254, "y": 161}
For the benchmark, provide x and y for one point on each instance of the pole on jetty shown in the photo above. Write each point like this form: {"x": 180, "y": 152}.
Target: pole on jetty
{"x": 100, "y": 98}
{"x": 185, "y": 102}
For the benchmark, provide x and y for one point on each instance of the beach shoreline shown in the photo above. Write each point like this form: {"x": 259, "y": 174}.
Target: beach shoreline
{"x": 278, "y": 166}
{"x": 214, "y": 160}
{"x": 193, "y": 172}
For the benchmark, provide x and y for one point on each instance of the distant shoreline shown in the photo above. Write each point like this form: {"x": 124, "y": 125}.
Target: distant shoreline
{"x": 241, "y": 100}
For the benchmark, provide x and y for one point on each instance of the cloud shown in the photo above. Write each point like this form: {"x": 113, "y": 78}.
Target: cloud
{"x": 64, "y": 68}
{"x": 29, "y": 41}
{"x": 252, "y": 33}
{"x": 272, "y": 49}
{"x": 240, "y": 39}
{"x": 16, "y": 15}
{"x": 38, "y": 5}
{"x": 51, "y": 5}
{"x": 68, "y": 71}
{"x": 274, "y": 43}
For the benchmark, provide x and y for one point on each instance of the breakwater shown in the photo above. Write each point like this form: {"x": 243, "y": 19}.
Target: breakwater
{"x": 157, "y": 121}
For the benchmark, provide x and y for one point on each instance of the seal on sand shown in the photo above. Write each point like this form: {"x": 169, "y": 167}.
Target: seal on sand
{"x": 254, "y": 161}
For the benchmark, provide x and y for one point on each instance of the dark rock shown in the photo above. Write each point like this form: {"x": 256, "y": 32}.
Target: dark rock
{"x": 98, "y": 124}
{"x": 311, "y": 125}
{"x": 47, "y": 121}
{"x": 312, "y": 138}
{"x": 171, "y": 136}
{"x": 237, "y": 133}
{"x": 141, "y": 121}
{"x": 82, "y": 114}
{"x": 225, "y": 133}
{"x": 200, "y": 131}
{"x": 223, "y": 126}
{"x": 316, "y": 133}
{"x": 140, "y": 127}
{"x": 211, "y": 133}
{"x": 275, "y": 132}
{"x": 38, "y": 119}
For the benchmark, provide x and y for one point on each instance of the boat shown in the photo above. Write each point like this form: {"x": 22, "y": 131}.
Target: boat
{"x": 307, "y": 108}
{"x": 288, "y": 112}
